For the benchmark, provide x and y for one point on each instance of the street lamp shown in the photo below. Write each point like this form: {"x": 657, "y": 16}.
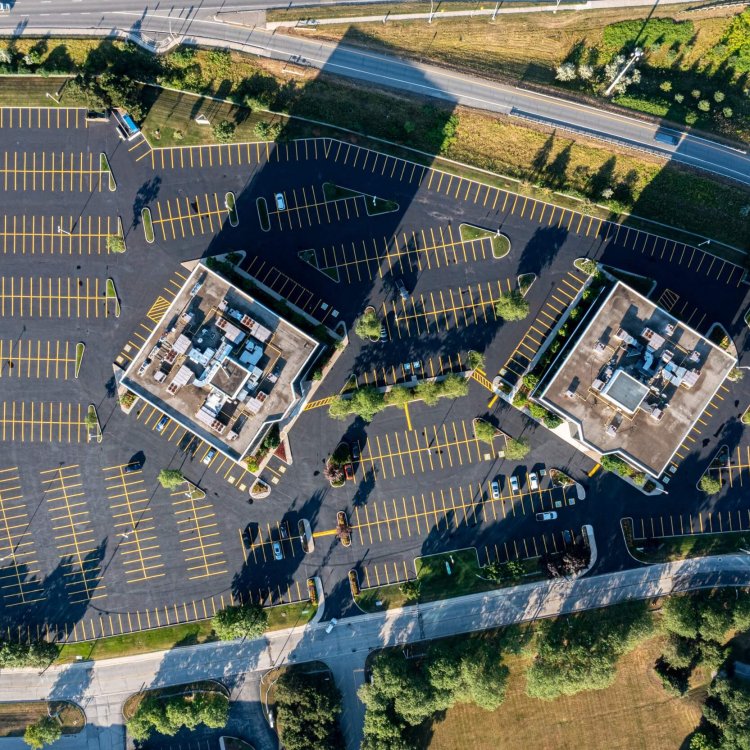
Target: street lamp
{"x": 60, "y": 230}
{"x": 707, "y": 242}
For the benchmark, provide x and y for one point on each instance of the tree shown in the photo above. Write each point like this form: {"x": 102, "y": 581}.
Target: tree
{"x": 167, "y": 715}
{"x": 512, "y": 306}
{"x": 43, "y": 732}
{"x": 115, "y": 243}
{"x": 484, "y": 431}
{"x": 398, "y": 396}
{"x": 516, "y": 450}
{"x": 617, "y": 466}
{"x": 244, "y": 621}
{"x": 704, "y": 105}
{"x": 453, "y": 386}
{"x": 171, "y": 478}
{"x": 410, "y": 590}
{"x": 565, "y": 72}
{"x": 91, "y": 419}
{"x": 224, "y": 131}
{"x": 428, "y": 392}
{"x": 308, "y": 708}
{"x": 710, "y": 485}
{"x": 475, "y": 360}
{"x": 367, "y": 326}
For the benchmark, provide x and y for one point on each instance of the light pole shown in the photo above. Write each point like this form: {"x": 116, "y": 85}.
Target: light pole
{"x": 60, "y": 230}
{"x": 636, "y": 55}
{"x": 497, "y": 7}
{"x": 432, "y": 2}
{"x": 707, "y": 242}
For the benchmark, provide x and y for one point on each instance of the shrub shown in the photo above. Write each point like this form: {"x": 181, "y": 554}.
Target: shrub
{"x": 617, "y": 466}
{"x": 565, "y": 72}
{"x": 171, "y": 478}
{"x": 666, "y": 86}
{"x": 484, "y": 431}
{"x": 520, "y": 399}
{"x": 727, "y": 112}
{"x": 718, "y": 96}
{"x": 224, "y": 131}
{"x": 531, "y": 381}
{"x": 244, "y": 621}
{"x": 679, "y": 98}
{"x": 43, "y": 732}
{"x": 475, "y": 360}
{"x": 551, "y": 421}
{"x": 704, "y": 105}
{"x": 115, "y": 243}
{"x": 428, "y": 392}
{"x": 695, "y": 93}
{"x": 710, "y": 485}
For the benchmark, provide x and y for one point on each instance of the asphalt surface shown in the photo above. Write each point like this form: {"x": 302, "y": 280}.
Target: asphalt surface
{"x": 193, "y": 26}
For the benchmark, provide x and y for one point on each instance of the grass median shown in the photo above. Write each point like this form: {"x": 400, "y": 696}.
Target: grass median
{"x": 16, "y": 716}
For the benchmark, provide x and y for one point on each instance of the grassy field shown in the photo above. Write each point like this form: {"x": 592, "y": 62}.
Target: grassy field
{"x": 15, "y": 717}
{"x": 692, "y": 545}
{"x": 635, "y": 713}
{"x": 435, "y": 583}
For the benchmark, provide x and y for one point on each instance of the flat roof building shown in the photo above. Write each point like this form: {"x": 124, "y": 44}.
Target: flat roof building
{"x": 635, "y": 381}
{"x": 222, "y": 364}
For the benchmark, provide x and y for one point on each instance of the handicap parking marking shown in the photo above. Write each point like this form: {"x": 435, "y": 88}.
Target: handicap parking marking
{"x": 420, "y": 451}
{"x": 19, "y": 575}
{"x": 84, "y": 235}
{"x": 53, "y": 172}
{"x": 180, "y": 216}
{"x": 202, "y": 548}
{"x": 42, "y": 422}
{"x": 37, "y": 359}
{"x": 424, "y": 250}
{"x": 60, "y": 297}
{"x": 133, "y": 523}
{"x": 74, "y": 538}
{"x": 152, "y": 318}
{"x": 445, "y": 309}
{"x": 292, "y": 291}
{"x": 43, "y": 118}
{"x": 519, "y": 361}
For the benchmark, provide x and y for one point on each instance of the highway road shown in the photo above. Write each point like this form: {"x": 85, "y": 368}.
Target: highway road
{"x": 201, "y": 25}
{"x": 103, "y": 686}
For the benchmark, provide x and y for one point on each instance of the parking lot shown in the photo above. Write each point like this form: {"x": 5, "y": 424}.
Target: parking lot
{"x": 91, "y": 544}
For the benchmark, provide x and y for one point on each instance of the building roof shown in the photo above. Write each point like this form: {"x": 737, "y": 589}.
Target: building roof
{"x": 221, "y": 364}
{"x": 636, "y": 380}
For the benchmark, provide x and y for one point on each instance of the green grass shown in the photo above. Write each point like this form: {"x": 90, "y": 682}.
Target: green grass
{"x": 104, "y": 167}
{"x": 692, "y": 545}
{"x": 112, "y": 294}
{"x": 374, "y": 205}
{"x": 525, "y": 280}
{"x": 16, "y": 716}
{"x": 436, "y": 584}
{"x": 336, "y": 192}
{"x": 265, "y": 220}
{"x": 290, "y": 615}
{"x": 80, "y": 349}
{"x": 148, "y": 227}
{"x": 30, "y": 91}
{"x": 746, "y": 416}
{"x": 500, "y": 243}
{"x": 232, "y": 208}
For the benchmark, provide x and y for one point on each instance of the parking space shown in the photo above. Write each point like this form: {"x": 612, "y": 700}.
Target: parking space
{"x": 234, "y": 154}
{"x": 737, "y": 465}
{"x": 691, "y": 440}
{"x": 60, "y": 297}
{"x": 202, "y": 547}
{"x": 80, "y": 554}
{"x": 19, "y": 571}
{"x": 133, "y": 522}
{"x": 444, "y": 310}
{"x": 42, "y": 118}
{"x": 154, "y": 314}
{"x": 424, "y": 250}
{"x": 308, "y": 207}
{"x": 681, "y": 308}
{"x": 37, "y": 359}
{"x": 185, "y": 217}
{"x": 682, "y": 524}
{"x": 419, "y": 451}
{"x": 258, "y": 542}
{"x": 62, "y": 235}
{"x": 39, "y": 422}
{"x": 448, "y": 510}
{"x": 430, "y": 367}
{"x": 298, "y": 295}
{"x": 516, "y": 365}
{"x": 52, "y": 171}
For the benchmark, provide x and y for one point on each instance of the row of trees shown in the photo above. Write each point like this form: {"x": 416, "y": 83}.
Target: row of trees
{"x": 368, "y": 401}
{"x": 405, "y": 693}
{"x": 167, "y": 715}
{"x": 308, "y": 707}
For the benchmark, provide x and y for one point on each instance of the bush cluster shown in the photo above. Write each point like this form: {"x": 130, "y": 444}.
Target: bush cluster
{"x": 168, "y": 715}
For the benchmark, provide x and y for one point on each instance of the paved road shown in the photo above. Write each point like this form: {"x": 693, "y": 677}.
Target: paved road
{"x": 202, "y": 28}
{"x": 103, "y": 686}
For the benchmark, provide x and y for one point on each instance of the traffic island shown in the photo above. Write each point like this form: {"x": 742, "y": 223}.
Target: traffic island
{"x": 112, "y": 295}
{"x": 80, "y": 349}
{"x": 500, "y": 242}
{"x": 148, "y": 227}
{"x": 94, "y": 430}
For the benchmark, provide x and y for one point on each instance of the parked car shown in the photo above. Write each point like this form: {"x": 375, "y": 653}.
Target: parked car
{"x": 495, "y": 490}
{"x": 548, "y": 515}
{"x": 383, "y": 333}
{"x": 533, "y": 481}
{"x": 162, "y": 423}
{"x": 283, "y": 530}
{"x": 280, "y": 204}
{"x": 567, "y": 536}
{"x": 277, "y": 553}
{"x": 515, "y": 485}
{"x": 209, "y": 456}
{"x": 355, "y": 450}
{"x": 349, "y": 471}
{"x": 331, "y": 625}
{"x": 402, "y": 290}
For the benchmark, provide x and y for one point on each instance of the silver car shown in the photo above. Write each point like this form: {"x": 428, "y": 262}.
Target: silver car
{"x": 277, "y": 553}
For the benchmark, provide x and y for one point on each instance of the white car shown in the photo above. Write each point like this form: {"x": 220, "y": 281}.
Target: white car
{"x": 548, "y": 515}
{"x": 277, "y": 553}
{"x": 331, "y": 625}
{"x": 533, "y": 481}
{"x": 514, "y": 484}
{"x": 209, "y": 456}
{"x": 280, "y": 201}
{"x": 495, "y": 490}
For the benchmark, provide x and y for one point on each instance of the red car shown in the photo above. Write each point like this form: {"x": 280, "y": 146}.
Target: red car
{"x": 349, "y": 471}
